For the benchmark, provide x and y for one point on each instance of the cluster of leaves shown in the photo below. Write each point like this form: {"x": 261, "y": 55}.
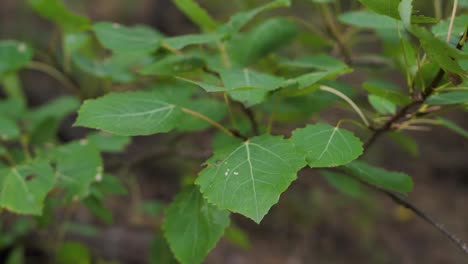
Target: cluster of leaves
{"x": 197, "y": 81}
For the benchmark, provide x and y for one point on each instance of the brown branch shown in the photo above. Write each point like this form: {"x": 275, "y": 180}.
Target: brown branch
{"x": 407, "y": 111}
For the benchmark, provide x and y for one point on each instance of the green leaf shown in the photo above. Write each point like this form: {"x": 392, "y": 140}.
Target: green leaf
{"x": 16, "y": 256}
{"x": 405, "y": 8}
{"x": 387, "y": 91}
{"x": 439, "y": 51}
{"x": 240, "y": 19}
{"x": 108, "y": 143}
{"x": 453, "y": 126}
{"x": 78, "y": 165}
{"x": 58, "y": 13}
{"x": 123, "y": 39}
{"x": 109, "y": 184}
{"x": 160, "y": 253}
{"x": 192, "y": 226}
{"x": 248, "y": 86}
{"x": 453, "y": 97}
{"x": 24, "y": 188}
{"x": 14, "y": 54}
{"x": 132, "y": 113}
{"x": 392, "y": 181}
{"x": 197, "y": 14}
{"x": 382, "y": 105}
{"x": 459, "y": 26}
{"x": 71, "y": 252}
{"x": 343, "y": 183}
{"x": 368, "y": 19}
{"x": 98, "y": 209}
{"x": 180, "y": 42}
{"x": 383, "y": 7}
{"x": 320, "y": 61}
{"x": 13, "y": 108}
{"x": 9, "y": 130}
{"x": 173, "y": 64}
{"x": 327, "y": 146}
{"x": 262, "y": 40}
{"x": 250, "y": 177}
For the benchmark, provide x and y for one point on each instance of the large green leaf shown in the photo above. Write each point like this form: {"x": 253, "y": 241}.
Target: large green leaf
{"x": 249, "y": 178}
{"x": 384, "y": 7}
{"x": 192, "y": 226}
{"x": 57, "y": 12}
{"x": 392, "y": 181}
{"x": 14, "y": 55}
{"x": 327, "y": 146}
{"x": 368, "y": 19}
{"x": 123, "y": 39}
{"x": 132, "y": 113}
{"x": 78, "y": 165}
{"x": 262, "y": 40}
{"x": 197, "y": 14}
{"x": 24, "y": 188}
{"x": 453, "y": 97}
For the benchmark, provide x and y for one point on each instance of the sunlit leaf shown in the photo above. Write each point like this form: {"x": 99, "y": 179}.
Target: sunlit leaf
{"x": 250, "y": 177}
{"x": 327, "y": 146}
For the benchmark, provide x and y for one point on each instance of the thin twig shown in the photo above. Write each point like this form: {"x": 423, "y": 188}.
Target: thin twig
{"x": 452, "y": 18}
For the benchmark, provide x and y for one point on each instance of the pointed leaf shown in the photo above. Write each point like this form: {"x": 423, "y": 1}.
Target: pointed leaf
{"x": 57, "y": 12}
{"x": 197, "y": 14}
{"x": 173, "y": 64}
{"x": 180, "y": 42}
{"x": 453, "y": 126}
{"x": 24, "y": 188}
{"x": 327, "y": 146}
{"x": 343, "y": 183}
{"x": 383, "y": 7}
{"x": 368, "y": 19}
{"x": 250, "y": 177}
{"x": 392, "y": 181}
{"x": 108, "y": 142}
{"x": 382, "y": 105}
{"x": 192, "y": 226}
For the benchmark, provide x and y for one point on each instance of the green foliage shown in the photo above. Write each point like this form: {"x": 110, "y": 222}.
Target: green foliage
{"x": 254, "y": 78}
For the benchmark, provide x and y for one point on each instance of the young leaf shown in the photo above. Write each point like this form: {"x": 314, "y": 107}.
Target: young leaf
{"x": 14, "y": 55}
{"x": 123, "y": 39}
{"x": 56, "y": 11}
{"x": 24, "y": 188}
{"x": 453, "y": 97}
{"x": 250, "y": 177}
{"x": 192, "y": 226}
{"x": 327, "y": 146}
{"x": 107, "y": 142}
{"x": 382, "y": 105}
{"x": 77, "y": 177}
{"x": 197, "y": 14}
{"x": 392, "y": 181}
